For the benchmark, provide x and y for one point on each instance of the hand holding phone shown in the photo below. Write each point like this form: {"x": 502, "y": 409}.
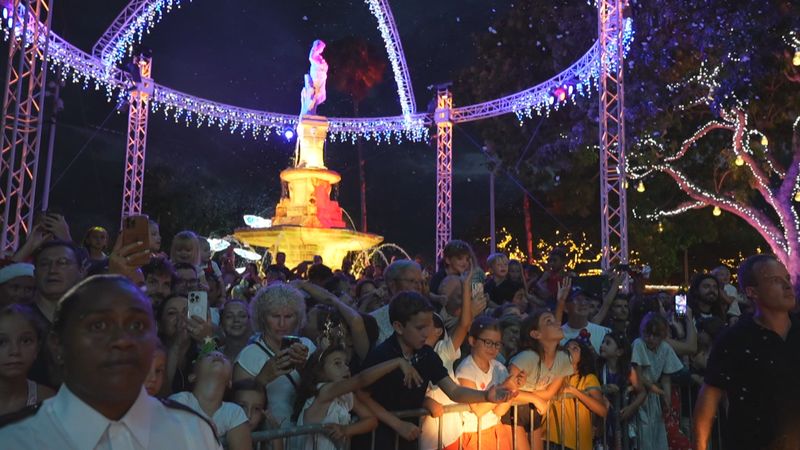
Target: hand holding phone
{"x": 136, "y": 229}
{"x": 287, "y": 341}
{"x": 680, "y": 305}
{"x": 198, "y": 304}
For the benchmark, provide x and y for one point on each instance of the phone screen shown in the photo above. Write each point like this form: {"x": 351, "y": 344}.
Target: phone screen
{"x": 680, "y": 304}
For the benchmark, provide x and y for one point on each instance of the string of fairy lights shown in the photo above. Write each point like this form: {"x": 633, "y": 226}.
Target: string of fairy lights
{"x": 735, "y": 120}
{"x": 101, "y": 73}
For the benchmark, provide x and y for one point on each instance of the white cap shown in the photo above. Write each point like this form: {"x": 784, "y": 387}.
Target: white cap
{"x": 15, "y": 270}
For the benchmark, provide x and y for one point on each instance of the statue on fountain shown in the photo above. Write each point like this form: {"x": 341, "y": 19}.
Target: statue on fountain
{"x": 312, "y": 129}
{"x": 307, "y": 220}
{"x": 313, "y": 93}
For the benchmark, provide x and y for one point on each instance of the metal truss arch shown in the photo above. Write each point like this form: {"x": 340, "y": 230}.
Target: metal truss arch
{"x": 22, "y": 116}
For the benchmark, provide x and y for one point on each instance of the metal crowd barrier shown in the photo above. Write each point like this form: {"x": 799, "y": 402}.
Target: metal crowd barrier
{"x": 611, "y": 436}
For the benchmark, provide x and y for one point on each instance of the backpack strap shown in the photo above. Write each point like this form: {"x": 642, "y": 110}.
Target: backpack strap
{"x": 172, "y": 404}
{"x": 271, "y": 354}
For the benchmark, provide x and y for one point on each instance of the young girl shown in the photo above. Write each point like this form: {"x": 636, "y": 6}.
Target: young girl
{"x": 95, "y": 242}
{"x": 449, "y": 350}
{"x": 158, "y": 369}
{"x": 654, "y": 361}
{"x": 252, "y": 397}
{"x": 20, "y": 340}
{"x": 539, "y": 368}
{"x": 327, "y": 388}
{"x": 617, "y": 376}
{"x": 481, "y": 370}
{"x": 185, "y": 249}
{"x": 211, "y": 376}
{"x": 584, "y": 386}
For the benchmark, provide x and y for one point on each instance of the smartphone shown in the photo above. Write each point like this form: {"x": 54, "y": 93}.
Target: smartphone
{"x": 198, "y": 304}
{"x": 137, "y": 229}
{"x": 477, "y": 290}
{"x": 680, "y": 304}
{"x": 287, "y": 341}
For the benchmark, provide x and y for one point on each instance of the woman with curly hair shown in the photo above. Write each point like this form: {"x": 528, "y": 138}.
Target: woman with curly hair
{"x": 277, "y": 312}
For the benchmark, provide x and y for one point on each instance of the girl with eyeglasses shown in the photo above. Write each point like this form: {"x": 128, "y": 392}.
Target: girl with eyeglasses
{"x": 481, "y": 370}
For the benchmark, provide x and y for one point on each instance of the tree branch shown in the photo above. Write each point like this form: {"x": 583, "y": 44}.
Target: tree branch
{"x": 755, "y": 218}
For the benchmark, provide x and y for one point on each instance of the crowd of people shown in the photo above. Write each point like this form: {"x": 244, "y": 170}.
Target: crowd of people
{"x": 101, "y": 350}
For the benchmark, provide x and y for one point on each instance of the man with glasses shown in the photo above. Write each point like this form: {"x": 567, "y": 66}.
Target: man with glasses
{"x": 578, "y": 308}
{"x": 401, "y": 275}
{"x": 58, "y": 266}
{"x": 186, "y": 279}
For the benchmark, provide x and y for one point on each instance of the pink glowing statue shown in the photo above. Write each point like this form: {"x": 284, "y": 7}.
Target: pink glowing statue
{"x": 313, "y": 93}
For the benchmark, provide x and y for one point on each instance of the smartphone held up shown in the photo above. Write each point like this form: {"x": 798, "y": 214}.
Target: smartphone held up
{"x": 680, "y": 305}
{"x": 136, "y": 229}
{"x": 198, "y": 304}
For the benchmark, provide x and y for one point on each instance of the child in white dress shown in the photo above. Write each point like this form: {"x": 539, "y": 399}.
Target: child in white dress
{"x": 327, "y": 388}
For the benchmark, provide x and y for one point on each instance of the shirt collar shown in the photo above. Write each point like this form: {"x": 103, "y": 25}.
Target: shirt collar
{"x": 86, "y": 426}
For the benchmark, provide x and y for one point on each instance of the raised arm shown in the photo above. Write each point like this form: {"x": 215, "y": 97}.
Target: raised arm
{"x": 608, "y": 299}
{"x": 564, "y": 288}
{"x": 687, "y": 346}
{"x": 465, "y": 319}
{"x": 368, "y": 376}
{"x": 351, "y": 316}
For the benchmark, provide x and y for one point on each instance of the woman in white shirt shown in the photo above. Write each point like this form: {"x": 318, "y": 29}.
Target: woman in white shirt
{"x": 277, "y": 311}
{"x": 481, "y": 370}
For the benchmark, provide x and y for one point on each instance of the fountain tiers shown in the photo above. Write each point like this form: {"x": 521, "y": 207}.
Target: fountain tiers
{"x": 307, "y": 222}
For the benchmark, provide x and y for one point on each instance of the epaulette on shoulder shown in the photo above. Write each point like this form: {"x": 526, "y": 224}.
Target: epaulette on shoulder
{"x": 16, "y": 416}
{"x": 177, "y": 405}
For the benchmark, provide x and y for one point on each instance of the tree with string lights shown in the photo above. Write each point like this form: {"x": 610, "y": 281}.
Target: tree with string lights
{"x": 752, "y": 179}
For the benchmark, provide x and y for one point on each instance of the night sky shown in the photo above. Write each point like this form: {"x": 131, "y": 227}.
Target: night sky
{"x": 253, "y": 53}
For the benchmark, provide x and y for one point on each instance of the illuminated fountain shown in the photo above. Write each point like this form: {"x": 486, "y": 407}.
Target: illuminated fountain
{"x": 307, "y": 221}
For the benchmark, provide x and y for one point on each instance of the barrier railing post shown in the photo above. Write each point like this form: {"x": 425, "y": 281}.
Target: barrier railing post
{"x": 577, "y": 425}
{"x": 479, "y": 430}
{"x": 440, "y": 444}
{"x": 515, "y": 410}
{"x": 532, "y": 423}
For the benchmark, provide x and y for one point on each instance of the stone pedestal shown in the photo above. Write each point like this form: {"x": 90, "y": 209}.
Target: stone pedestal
{"x": 311, "y": 133}
{"x": 307, "y": 222}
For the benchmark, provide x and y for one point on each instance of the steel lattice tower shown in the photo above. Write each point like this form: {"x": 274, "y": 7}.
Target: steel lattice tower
{"x": 23, "y": 104}
{"x": 444, "y": 168}
{"x": 613, "y": 204}
{"x": 138, "y": 113}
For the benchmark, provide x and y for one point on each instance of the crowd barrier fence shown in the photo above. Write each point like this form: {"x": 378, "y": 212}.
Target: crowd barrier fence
{"x": 611, "y": 436}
